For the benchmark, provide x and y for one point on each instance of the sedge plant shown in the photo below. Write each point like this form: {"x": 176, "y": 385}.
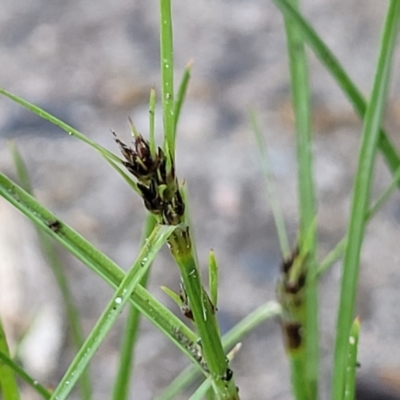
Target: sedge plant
{"x": 149, "y": 169}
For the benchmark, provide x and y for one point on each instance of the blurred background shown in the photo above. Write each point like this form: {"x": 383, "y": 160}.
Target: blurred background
{"x": 92, "y": 64}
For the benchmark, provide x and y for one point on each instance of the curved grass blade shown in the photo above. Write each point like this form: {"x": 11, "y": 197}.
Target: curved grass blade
{"x": 56, "y": 266}
{"x": 8, "y": 383}
{"x": 111, "y": 158}
{"x": 250, "y": 322}
{"x": 40, "y": 389}
{"x": 333, "y": 66}
{"x": 121, "y": 296}
{"x": 360, "y": 198}
{"x": 98, "y": 262}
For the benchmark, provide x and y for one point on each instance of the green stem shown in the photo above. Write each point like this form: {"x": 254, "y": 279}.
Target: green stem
{"x": 301, "y": 106}
{"x": 167, "y": 76}
{"x": 360, "y": 198}
{"x": 204, "y": 315}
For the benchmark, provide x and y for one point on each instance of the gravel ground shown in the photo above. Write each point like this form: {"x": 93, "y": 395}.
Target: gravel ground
{"x": 92, "y": 64}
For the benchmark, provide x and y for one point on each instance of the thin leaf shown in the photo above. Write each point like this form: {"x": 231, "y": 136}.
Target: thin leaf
{"x": 111, "y": 158}
{"x": 40, "y": 389}
{"x": 360, "y": 199}
{"x": 8, "y": 383}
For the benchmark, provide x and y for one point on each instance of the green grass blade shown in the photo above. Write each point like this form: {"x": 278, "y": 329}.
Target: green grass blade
{"x": 8, "y": 383}
{"x": 121, "y": 385}
{"x": 121, "y": 296}
{"x": 40, "y": 389}
{"x": 350, "y": 386}
{"x": 56, "y": 266}
{"x": 308, "y": 363}
{"x": 180, "y": 97}
{"x": 360, "y": 198}
{"x": 271, "y": 188}
{"x": 250, "y": 322}
{"x": 111, "y": 158}
{"x": 98, "y": 262}
{"x": 167, "y": 76}
{"x": 333, "y": 66}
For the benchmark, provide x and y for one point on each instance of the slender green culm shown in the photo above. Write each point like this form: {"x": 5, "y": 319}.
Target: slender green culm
{"x": 360, "y": 198}
{"x": 301, "y": 105}
{"x": 350, "y": 385}
{"x": 333, "y": 66}
{"x": 8, "y": 383}
{"x": 271, "y": 188}
{"x": 57, "y": 268}
{"x": 167, "y": 77}
{"x": 204, "y": 315}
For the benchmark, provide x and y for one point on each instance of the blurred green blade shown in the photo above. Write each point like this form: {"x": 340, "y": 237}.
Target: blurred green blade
{"x": 23, "y": 375}
{"x": 8, "y": 383}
